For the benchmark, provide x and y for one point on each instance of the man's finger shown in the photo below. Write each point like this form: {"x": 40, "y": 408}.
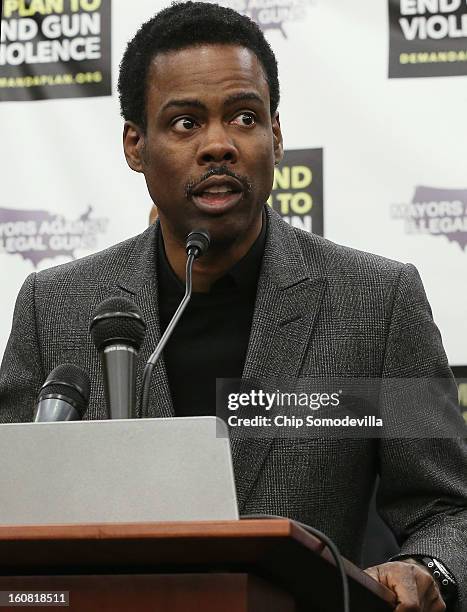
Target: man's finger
{"x": 405, "y": 587}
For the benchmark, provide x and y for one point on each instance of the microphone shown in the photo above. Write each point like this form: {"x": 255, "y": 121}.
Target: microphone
{"x": 197, "y": 243}
{"x": 64, "y": 396}
{"x": 117, "y": 330}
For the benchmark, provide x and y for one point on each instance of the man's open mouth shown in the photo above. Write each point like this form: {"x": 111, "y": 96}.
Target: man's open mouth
{"x": 217, "y": 194}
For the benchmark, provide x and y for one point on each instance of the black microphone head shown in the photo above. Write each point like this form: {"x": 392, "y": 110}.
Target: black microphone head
{"x": 117, "y": 320}
{"x": 69, "y": 381}
{"x": 197, "y": 242}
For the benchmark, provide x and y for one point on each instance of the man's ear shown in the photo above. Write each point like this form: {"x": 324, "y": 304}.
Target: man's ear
{"x": 277, "y": 139}
{"x": 133, "y": 145}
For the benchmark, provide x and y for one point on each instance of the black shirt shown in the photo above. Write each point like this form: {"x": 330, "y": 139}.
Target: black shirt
{"x": 211, "y": 339}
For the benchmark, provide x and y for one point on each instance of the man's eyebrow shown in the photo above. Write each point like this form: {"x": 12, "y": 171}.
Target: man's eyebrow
{"x": 238, "y": 97}
{"x": 243, "y": 95}
{"x": 183, "y": 102}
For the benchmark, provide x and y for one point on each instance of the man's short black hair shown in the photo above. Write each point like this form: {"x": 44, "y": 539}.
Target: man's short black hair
{"x": 184, "y": 25}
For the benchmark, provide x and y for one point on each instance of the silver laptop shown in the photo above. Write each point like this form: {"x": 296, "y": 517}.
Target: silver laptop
{"x": 135, "y": 470}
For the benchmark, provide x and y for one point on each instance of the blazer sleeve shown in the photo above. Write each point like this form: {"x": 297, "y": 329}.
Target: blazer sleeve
{"x": 423, "y": 490}
{"x": 21, "y": 372}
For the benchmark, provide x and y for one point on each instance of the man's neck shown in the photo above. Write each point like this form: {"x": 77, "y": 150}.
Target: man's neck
{"x": 212, "y": 266}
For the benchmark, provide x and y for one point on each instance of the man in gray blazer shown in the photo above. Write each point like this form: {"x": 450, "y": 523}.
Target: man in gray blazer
{"x": 199, "y": 94}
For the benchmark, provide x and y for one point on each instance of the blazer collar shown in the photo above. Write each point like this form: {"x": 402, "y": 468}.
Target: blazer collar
{"x": 283, "y": 261}
{"x": 141, "y": 265}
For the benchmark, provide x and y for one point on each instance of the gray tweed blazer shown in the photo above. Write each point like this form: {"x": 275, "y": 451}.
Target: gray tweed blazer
{"x": 321, "y": 310}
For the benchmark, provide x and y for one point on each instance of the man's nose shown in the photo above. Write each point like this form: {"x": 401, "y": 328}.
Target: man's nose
{"x": 217, "y": 146}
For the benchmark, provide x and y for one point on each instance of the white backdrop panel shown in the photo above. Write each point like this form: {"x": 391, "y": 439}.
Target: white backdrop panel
{"x": 381, "y": 138}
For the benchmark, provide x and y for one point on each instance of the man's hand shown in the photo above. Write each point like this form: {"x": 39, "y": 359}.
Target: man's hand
{"x": 415, "y": 588}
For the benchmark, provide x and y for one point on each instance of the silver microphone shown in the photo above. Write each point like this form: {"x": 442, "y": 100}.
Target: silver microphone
{"x": 64, "y": 396}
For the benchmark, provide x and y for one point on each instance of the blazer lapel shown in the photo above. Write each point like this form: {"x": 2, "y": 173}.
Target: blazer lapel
{"x": 287, "y": 304}
{"x": 139, "y": 281}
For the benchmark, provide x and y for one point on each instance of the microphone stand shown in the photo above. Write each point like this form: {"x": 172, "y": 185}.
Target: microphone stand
{"x": 166, "y": 335}
{"x": 197, "y": 243}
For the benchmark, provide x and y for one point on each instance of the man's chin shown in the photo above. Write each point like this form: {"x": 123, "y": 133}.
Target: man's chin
{"x": 230, "y": 234}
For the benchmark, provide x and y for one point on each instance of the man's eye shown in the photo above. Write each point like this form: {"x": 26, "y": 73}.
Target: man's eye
{"x": 245, "y": 119}
{"x": 184, "y": 124}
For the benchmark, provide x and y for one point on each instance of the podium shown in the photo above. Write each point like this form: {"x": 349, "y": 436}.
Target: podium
{"x": 221, "y": 566}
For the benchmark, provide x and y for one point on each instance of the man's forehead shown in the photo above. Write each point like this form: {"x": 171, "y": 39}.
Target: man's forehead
{"x": 206, "y": 67}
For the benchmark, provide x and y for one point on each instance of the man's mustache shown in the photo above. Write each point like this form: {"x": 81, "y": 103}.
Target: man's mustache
{"x": 219, "y": 171}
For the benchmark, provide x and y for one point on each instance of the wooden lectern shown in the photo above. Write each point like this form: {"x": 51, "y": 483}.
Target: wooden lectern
{"x": 224, "y": 566}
